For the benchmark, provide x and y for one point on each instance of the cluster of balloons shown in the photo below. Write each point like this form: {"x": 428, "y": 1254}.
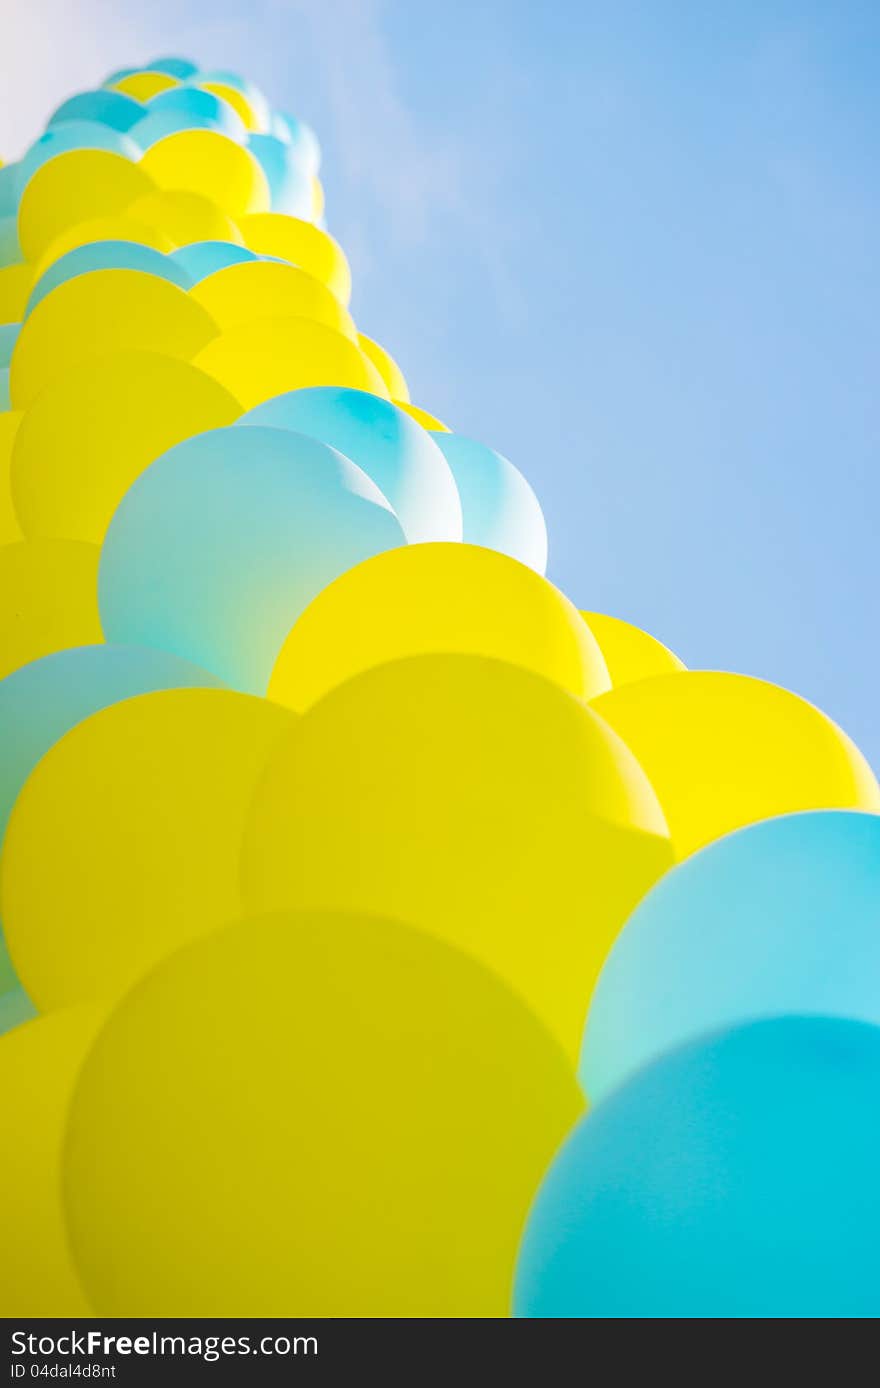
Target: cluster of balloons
{"x": 344, "y": 860}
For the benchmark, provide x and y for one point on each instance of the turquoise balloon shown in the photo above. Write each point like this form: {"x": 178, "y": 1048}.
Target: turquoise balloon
{"x": 783, "y": 916}
{"x": 8, "y": 190}
{"x": 219, "y": 546}
{"x": 187, "y": 108}
{"x": 10, "y": 249}
{"x": 75, "y": 134}
{"x": 181, "y": 68}
{"x": 290, "y": 184}
{"x": 15, "y": 1008}
{"x": 396, "y": 452}
{"x": 203, "y": 258}
{"x": 5, "y": 402}
{"x": 499, "y": 509}
{"x": 114, "y": 109}
{"x": 107, "y": 255}
{"x": 300, "y": 137}
{"x": 8, "y": 338}
{"x": 736, "y": 1178}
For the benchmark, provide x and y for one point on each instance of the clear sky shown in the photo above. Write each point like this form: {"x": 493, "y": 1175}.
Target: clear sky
{"x": 632, "y": 245}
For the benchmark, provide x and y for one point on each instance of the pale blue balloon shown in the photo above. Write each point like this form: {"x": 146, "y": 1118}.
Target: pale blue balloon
{"x": 114, "y": 109}
{"x": 735, "y": 1178}
{"x": 203, "y": 258}
{"x": 108, "y": 255}
{"x": 75, "y": 134}
{"x": 290, "y": 184}
{"x": 782, "y": 916}
{"x": 187, "y": 108}
{"x": 9, "y": 190}
{"x": 5, "y": 401}
{"x": 219, "y": 546}
{"x": 301, "y": 137}
{"x": 181, "y": 68}
{"x": 259, "y": 104}
{"x": 8, "y": 338}
{"x": 15, "y": 1008}
{"x": 499, "y": 509}
{"x": 10, "y": 249}
{"x": 396, "y": 452}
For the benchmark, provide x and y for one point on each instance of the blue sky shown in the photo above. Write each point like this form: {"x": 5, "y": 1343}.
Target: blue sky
{"x": 633, "y": 246}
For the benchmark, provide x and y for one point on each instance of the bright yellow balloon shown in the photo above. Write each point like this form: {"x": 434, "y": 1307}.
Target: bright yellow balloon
{"x": 15, "y": 286}
{"x": 207, "y": 162}
{"x": 123, "y": 228}
{"x": 315, "y": 1115}
{"x": 77, "y": 186}
{"x": 725, "y": 750}
{"x": 630, "y": 653}
{"x": 124, "y": 842}
{"x": 318, "y": 200}
{"x": 144, "y": 85}
{"x": 475, "y": 800}
{"x": 435, "y": 598}
{"x": 266, "y": 289}
{"x": 100, "y": 313}
{"x": 303, "y": 244}
{"x": 48, "y": 600}
{"x": 427, "y": 421}
{"x": 183, "y": 217}
{"x": 40, "y": 1063}
{"x": 387, "y": 368}
{"x": 10, "y": 529}
{"x": 93, "y": 431}
{"x": 256, "y": 361}
{"x": 237, "y": 100}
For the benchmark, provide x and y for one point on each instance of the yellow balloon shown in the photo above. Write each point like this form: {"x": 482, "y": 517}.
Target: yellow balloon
{"x": 630, "y": 653}
{"x": 427, "y": 421}
{"x": 237, "y": 100}
{"x": 94, "y": 430}
{"x": 387, "y": 368}
{"x": 475, "y": 800}
{"x": 256, "y": 361}
{"x": 435, "y": 598}
{"x": 48, "y": 600}
{"x": 77, "y": 186}
{"x": 182, "y": 217}
{"x": 303, "y": 244}
{"x": 725, "y": 750}
{"x": 318, "y": 200}
{"x": 96, "y": 314}
{"x": 207, "y": 162}
{"x": 40, "y": 1063}
{"x": 123, "y": 228}
{"x": 10, "y": 530}
{"x": 15, "y": 286}
{"x": 255, "y": 289}
{"x": 124, "y": 843}
{"x": 312, "y": 1115}
{"x": 144, "y": 85}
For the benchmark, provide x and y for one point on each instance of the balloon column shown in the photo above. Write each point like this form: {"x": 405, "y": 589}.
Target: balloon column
{"x": 339, "y": 848}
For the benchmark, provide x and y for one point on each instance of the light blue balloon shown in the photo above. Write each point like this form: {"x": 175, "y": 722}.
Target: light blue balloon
{"x": 290, "y": 185}
{"x": 8, "y": 338}
{"x": 499, "y": 509}
{"x": 5, "y": 401}
{"x": 187, "y": 108}
{"x": 219, "y": 546}
{"x": 10, "y": 249}
{"x": 15, "y": 1008}
{"x": 783, "y": 916}
{"x": 115, "y": 109}
{"x": 9, "y": 190}
{"x": 181, "y": 68}
{"x": 396, "y": 452}
{"x": 301, "y": 138}
{"x": 158, "y": 125}
{"x": 258, "y": 102}
{"x": 75, "y": 134}
{"x": 107, "y": 255}
{"x": 736, "y": 1178}
{"x": 203, "y": 258}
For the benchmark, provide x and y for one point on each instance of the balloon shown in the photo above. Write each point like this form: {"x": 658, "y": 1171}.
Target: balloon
{"x": 427, "y": 421}
{"x": 8, "y": 189}
{"x": 303, "y": 244}
{"x": 256, "y": 289}
{"x": 95, "y": 429}
{"x": 80, "y": 185}
{"x": 186, "y": 218}
{"x": 139, "y": 811}
{"x": 15, "y": 283}
{"x": 100, "y": 313}
{"x": 259, "y": 360}
{"x": 101, "y": 230}
{"x": 290, "y": 186}
{"x": 301, "y": 137}
{"x": 8, "y": 338}
{"x": 365, "y": 1143}
{"x": 242, "y": 96}
{"x": 10, "y": 530}
{"x": 144, "y": 85}
{"x": 5, "y": 398}
{"x": 39, "y": 1065}
{"x": 206, "y": 257}
{"x": 388, "y": 369}
{"x": 735, "y": 1178}
{"x": 175, "y": 67}
{"x": 186, "y": 108}
{"x": 10, "y": 250}
{"x": 630, "y": 653}
{"x": 207, "y": 162}
{"x": 107, "y": 255}
{"x": 15, "y": 1005}
{"x": 498, "y": 506}
{"x": 400, "y": 457}
{"x": 221, "y": 544}
{"x": 410, "y": 791}
{"x": 110, "y": 108}
{"x": 780, "y": 917}
{"x": 318, "y": 202}
{"x": 75, "y": 134}
{"x": 48, "y": 600}
{"x": 725, "y": 750}
{"x": 435, "y": 598}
